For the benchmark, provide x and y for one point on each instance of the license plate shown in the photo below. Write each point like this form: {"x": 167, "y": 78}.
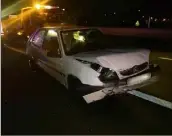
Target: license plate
{"x": 139, "y": 79}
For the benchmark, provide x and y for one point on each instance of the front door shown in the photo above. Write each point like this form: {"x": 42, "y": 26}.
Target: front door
{"x": 51, "y": 56}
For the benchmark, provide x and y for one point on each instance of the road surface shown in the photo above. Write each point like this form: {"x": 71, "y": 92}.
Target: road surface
{"x": 35, "y": 103}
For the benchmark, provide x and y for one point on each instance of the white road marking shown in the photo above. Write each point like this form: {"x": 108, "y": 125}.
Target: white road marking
{"x": 16, "y": 50}
{"x": 151, "y": 98}
{"x": 92, "y": 97}
{"x": 164, "y": 58}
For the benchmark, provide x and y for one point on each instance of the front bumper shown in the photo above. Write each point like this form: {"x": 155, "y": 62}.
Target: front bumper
{"x": 122, "y": 86}
{"x": 153, "y": 69}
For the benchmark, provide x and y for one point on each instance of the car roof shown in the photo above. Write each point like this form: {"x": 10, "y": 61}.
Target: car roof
{"x": 64, "y": 27}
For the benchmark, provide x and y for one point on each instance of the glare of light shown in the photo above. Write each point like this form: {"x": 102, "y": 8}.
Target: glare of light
{"x": 151, "y": 18}
{"x": 139, "y": 10}
{"x": 164, "y": 19}
{"x": 28, "y": 37}
{"x": 156, "y": 19}
{"x": 52, "y": 33}
{"x": 19, "y": 33}
{"x": 48, "y": 7}
{"x": 15, "y": 7}
{"x": 13, "y": 16}
{"x": 105, "y": 14}
{"x": 37, "y": 6}
{"x": 143, "y": 16}
{"x": 12, "y": 8}
{"x": 114, "y": 13}
{"x": 58, "y": 7}
{"x": 2, "y": 29}
{"x": 81, "y": 38}
{"x": 63, "y": 9}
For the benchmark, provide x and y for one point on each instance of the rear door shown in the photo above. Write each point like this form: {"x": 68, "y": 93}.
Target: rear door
{"x": 34, "y": 46}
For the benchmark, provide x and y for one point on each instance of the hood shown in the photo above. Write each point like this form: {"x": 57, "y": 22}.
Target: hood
{"x": 119, "y": 59}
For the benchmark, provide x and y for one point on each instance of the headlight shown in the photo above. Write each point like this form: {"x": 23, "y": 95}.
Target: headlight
{"x": 96, "y": 67}
{"x": 106, "y": 74}
{"x": 19, "y": 33}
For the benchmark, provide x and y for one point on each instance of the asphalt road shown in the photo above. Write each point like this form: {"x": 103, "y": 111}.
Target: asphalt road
{"x": 35, "y": 103}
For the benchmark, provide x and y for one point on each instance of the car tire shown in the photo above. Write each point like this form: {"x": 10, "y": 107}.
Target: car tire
{"x": 73, "y": 83}
{"x": 32, "y": 64}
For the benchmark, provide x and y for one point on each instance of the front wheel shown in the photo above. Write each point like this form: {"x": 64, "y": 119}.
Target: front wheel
{"x": 74, "y": 89}
{"x": 73, "y": 83}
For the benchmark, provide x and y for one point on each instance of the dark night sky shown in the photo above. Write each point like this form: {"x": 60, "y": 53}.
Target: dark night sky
{"x": 151, "y": 6}
{"x": 154, "y": 7}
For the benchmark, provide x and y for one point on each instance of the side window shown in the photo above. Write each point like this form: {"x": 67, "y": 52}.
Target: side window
{"x": 39, "y": 38}
{"x": 51, "y": 44}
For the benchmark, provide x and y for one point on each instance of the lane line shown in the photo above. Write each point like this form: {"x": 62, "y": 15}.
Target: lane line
{"x": 152, "y": 99}
{"x": 164, "y": 58}
{"x": 16, "y": 50}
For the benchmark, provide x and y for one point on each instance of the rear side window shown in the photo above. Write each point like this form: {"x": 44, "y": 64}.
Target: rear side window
{"x": 39, "y": 38}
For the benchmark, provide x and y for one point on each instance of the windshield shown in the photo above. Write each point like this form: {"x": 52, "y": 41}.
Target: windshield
{"x": 76, "y": 41}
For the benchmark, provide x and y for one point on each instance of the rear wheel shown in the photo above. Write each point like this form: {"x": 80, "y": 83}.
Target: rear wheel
{"x": 32, "y": 64}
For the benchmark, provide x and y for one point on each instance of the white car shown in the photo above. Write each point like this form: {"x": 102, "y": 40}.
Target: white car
{"x": 80, "y": 59}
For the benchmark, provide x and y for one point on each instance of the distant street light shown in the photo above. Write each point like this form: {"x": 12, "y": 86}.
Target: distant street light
{"x": 139, "y": 10}
{"x": 137, "y": 24}
{"x": 164, "y": 20}
{"x": 114, "y": 13}
{"x": 143, "y": 16}
{"x": 63, "y": 9}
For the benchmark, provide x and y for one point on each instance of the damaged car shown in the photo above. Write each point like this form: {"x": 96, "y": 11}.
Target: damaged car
{"x": 83, "y": 60}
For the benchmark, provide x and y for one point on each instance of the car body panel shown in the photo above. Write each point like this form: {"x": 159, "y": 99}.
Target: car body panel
{"x": 80, "y": 70}
{"x": 68, "y": 65}
{"x": 116, "y": 59}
